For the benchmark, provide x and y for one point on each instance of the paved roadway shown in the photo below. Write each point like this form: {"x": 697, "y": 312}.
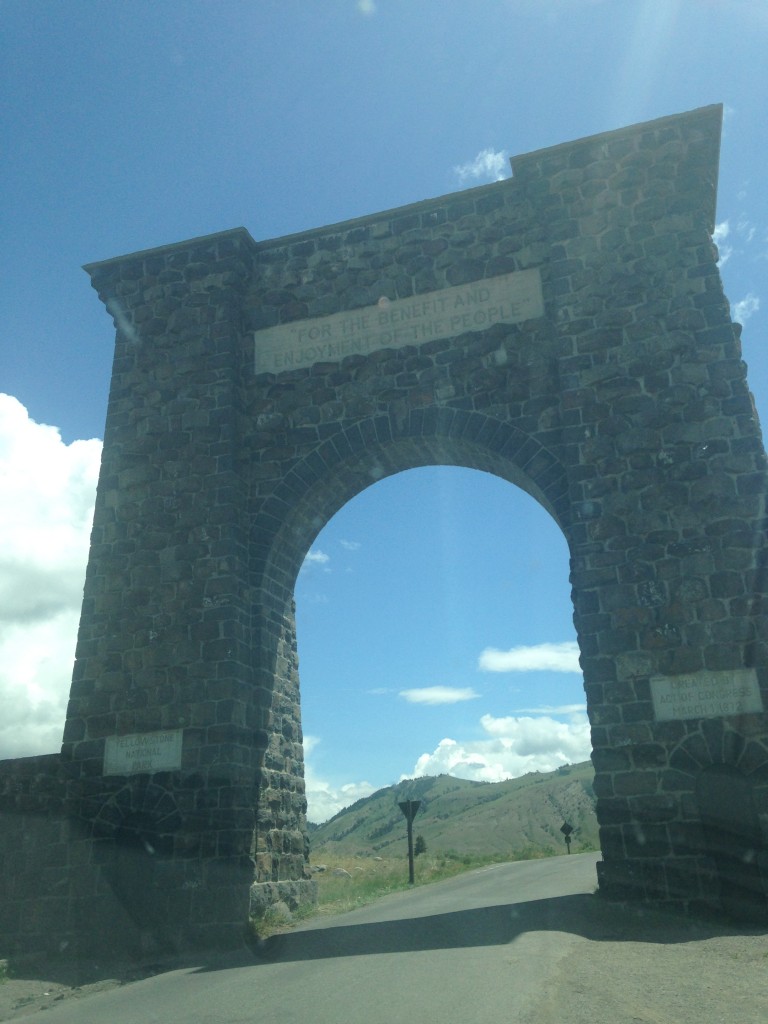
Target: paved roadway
{"x": 474, "y": 949}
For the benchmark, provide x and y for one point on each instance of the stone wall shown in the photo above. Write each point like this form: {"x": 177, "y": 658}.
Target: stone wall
{"x": 34, "y": 854}
{"x": 257, "y": 387}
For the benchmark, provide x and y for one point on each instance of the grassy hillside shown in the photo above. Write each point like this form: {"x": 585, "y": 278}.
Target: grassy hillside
{"x": 517, "y": 818}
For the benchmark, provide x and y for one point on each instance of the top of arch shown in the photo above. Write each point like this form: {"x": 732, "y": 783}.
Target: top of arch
{"x": 704, "y": 120}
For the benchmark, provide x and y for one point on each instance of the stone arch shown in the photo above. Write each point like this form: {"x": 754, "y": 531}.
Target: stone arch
{"x": 719, "y": 741}
{"x": 142, "y": 812}
{"x": 566, "y": 330}
{"x": 733, "y": 840}
{"x": 347, "y": 462}
{"x": 134, "y": 838}
{"x": 716, "y": 763}
{"x": 355, "y": 457}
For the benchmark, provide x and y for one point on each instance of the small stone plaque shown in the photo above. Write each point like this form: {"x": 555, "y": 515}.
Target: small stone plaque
{"x": 143, "y": 752}
{"x": 706, "y": 695}
{"x": 395, "y": 323}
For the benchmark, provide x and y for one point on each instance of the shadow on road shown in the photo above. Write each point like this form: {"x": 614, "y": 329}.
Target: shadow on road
{"x": 587, "y": 915}
{"x": 590, "y": 916}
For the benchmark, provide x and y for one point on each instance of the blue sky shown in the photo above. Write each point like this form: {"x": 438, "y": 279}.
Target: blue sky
{"x": 127, "y": 125}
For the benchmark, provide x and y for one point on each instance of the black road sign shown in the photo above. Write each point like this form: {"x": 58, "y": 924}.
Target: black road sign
{"x": 410, "y": 809}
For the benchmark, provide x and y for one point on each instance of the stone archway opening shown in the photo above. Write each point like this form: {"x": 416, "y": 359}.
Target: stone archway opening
{"x": 410, "y": 599}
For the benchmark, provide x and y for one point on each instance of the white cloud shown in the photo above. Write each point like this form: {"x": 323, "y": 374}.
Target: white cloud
{"x": 318, "y": 558}
{"x": 724, "y": 249}
{"x": 350, "y": 545}
{"x": 741, "y": 311}
{"x": 563, "y": 657}
{"x": 309, "y": 743}
{"x": 736, "y": 238}
{"x": 439, "y": 695}
{"x": 48, "y": 491}
{"x": 367, "y": 7}
{"x": 543, "y": 731}
{"x": 516, "y": 746}
{"x": 488, "y": 165}
{"x": 323, "y": 799}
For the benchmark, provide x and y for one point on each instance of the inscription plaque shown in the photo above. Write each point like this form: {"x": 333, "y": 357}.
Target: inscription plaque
{"x": 507, "y": 299}
{"x": 143, "y": 752}
{"x": 706, "y": 694}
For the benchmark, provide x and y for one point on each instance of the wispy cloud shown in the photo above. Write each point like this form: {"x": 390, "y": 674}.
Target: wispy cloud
{"x": 488, "y": 165}
{"x": 563, "y": 657}
{"x": 367, "y": 7}
{"x": 719, "y": 236}
{"x": 737, "y": 238}
{"x": 741, "y": 311}
{"x": 350, "y": 545}
{"x": 324, "y": 798}
{"x": 745, "y": 228}
{"x": 316, "y": 558}
{"x": 439, "y": 695}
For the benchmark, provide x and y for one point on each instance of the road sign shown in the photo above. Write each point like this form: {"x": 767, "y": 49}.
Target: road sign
{"x": 566, "y": 829}
{"x": 410, "y": 809}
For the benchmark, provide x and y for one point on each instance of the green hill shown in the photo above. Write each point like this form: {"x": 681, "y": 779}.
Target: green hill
{"x": 518, "y": 817}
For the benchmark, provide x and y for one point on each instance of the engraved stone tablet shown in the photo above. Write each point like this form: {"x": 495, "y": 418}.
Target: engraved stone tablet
{"x": 508, "y": 299}
{"x": 706, "y": 694}
{"x": 143, "y": 752}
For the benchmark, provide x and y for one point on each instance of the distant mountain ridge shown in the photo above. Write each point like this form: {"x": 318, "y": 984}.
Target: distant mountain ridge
{"x": 517, "y": 817}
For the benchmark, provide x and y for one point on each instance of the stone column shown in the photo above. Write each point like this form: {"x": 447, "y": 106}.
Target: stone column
{"x": 281, "y": 850}
{"x": 165, "y": 639}
{"x": 667, "y": 483}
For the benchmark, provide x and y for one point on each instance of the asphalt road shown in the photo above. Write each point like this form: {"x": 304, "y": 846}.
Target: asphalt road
{"x": 477, "y": 948}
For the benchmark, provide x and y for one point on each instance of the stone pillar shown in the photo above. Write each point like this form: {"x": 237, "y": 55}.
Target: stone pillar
{"x": 165, "y": 635}
{"x": 667, "y": 484}
{"x": 281, "y": 843}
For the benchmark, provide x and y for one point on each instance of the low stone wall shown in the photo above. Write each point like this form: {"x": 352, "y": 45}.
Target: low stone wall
{"x": 34, "y": 856}
{"x": 73, "y": 887}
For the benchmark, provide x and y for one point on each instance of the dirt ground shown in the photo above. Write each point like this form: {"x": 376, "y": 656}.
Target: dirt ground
{"x": 29, "y": 987}
{"x": 657, "y": 969}
{"x": 622, "y": 965}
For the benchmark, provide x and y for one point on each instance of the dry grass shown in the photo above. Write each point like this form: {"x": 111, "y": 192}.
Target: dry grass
{"x": 354, "y": 881}
{"x": 349, "y": 882}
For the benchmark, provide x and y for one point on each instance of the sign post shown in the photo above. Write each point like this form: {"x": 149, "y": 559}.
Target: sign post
{"x": 410, "y": 809}
{"x": 566, "y": 829}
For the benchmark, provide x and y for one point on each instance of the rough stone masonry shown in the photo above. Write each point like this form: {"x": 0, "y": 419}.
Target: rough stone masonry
{"x": 565, "y": 329}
